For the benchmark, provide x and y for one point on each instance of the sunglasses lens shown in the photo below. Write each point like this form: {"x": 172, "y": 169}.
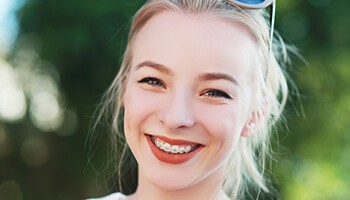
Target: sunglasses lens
{"x": 251, "y": 2}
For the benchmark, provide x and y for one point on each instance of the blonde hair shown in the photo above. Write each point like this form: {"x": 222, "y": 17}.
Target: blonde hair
{"x": 246, "y": 166}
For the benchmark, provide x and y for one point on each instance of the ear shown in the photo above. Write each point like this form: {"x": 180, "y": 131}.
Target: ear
{"x": 250, "y": 125}
{"x": 257, "y": 117}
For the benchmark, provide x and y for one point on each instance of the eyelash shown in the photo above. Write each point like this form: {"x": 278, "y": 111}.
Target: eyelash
{"x": 152, "y": 81}
{"x": 214, "y": 93}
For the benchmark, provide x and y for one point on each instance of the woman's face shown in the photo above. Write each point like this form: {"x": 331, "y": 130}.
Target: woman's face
{"x": 188, "y": 97}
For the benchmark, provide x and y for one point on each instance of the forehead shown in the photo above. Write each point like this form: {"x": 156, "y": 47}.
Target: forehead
{"x": 173, "y": 38}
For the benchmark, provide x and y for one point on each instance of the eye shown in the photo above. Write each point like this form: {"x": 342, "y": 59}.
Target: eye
{"x": 152, "y": 81}
{"x": 214, "y": 93}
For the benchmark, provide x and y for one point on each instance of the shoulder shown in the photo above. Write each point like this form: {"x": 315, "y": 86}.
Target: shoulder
{"x": 114, "y": 196}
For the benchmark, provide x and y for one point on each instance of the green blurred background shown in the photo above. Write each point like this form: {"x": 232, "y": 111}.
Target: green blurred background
{"x": 66, "y": 53}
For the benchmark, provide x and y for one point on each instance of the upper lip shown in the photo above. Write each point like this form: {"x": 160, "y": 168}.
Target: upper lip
{"x": 174, "y": 141}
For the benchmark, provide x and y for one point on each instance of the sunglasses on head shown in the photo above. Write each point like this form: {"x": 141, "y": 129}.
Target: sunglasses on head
{"x": 259, "y": 4}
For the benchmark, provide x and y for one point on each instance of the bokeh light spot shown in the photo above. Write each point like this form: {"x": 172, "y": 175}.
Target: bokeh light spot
{"x": 45, "y": 112}
{"x": 7, "y": 75}
{"x": 10, "y": 190}
{"x": 42, "y": 83}
{"x": 12, "y": 104}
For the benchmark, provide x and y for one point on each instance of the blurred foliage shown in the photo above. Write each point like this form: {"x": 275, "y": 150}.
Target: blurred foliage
{"x": 78, "y": 44}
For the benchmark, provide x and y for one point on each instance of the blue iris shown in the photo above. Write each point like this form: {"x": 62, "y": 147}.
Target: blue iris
{"x": 251, "y": 1}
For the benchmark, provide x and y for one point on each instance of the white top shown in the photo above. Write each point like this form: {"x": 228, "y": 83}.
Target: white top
{"x": 114, "y": 196}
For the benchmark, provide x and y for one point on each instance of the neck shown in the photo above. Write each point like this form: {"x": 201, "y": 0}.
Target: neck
{"x": 207, "y": 189}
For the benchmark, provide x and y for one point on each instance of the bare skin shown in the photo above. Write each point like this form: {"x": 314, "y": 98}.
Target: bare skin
{"x": 199, "y": 91}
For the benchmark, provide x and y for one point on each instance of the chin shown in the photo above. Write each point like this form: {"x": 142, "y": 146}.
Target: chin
{"x": 171, "y": 185}
{"x": 167, "y": 180}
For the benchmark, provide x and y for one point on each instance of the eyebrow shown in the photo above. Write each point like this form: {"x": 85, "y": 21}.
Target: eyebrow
{"x": 159, "y": 67}
{"x": 203, "y": 77}
{"x": 218, "y": 76}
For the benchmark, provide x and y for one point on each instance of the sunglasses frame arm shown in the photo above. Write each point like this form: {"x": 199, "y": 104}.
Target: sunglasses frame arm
{"x": 252, "y": 6}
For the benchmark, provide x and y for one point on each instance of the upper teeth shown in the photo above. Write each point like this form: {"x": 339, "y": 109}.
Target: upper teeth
{"x": 171, "y": 148}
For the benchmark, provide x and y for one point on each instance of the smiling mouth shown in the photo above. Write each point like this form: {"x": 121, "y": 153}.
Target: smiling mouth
{"x": 173, "y": 149}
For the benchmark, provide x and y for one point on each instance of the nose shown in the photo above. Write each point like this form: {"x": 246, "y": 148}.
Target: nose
{"x": 177, "y": 113}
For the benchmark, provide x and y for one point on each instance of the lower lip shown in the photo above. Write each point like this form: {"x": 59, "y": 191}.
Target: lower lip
{"x": 171, "y": 158}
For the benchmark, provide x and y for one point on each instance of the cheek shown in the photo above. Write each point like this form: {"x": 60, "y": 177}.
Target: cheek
{"x": 138, "y": 106}
{"x": 224, "y": 125}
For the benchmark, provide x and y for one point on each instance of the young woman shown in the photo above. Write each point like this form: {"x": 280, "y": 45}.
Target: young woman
{"x": 195, "y": 98}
